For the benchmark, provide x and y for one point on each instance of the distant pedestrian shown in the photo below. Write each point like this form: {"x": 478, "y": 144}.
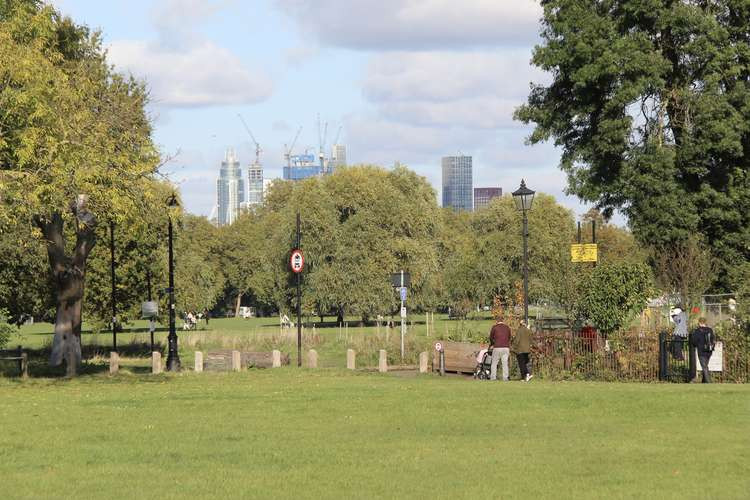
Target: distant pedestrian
{"x": 522, "y": 347}
{"x": 680, "y": 332}
{"x": 704, "y": 341}
{"x": 500, "y": 345}
{"x": 206, "y": 315}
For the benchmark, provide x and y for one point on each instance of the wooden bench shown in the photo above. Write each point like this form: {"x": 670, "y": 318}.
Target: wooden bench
{"x": 20, "y": 357}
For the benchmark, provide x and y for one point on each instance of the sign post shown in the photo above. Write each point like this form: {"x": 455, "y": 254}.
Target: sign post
{"x": 403, "y": 314}
{"x": 297, "y": 263}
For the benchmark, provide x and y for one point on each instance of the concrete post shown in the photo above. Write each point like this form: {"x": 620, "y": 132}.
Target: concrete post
{"x": 235, "y": 361}
{"x": 422, "y": 362}
{"x": 276, "y": 358}
{"x": 312, "y": 358}
{"x": 156, "y": 362}
{"x": 198, "y": 361}
{"x": 114, "y": 363}
{"x": 351, "y": 359}
{"x": 383, "y": 361}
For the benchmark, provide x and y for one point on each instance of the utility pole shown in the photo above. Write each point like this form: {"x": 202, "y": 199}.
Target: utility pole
{"x": 114, "y": 285}
{"x": 403, "y": 314}
{"x": 299, "y": 301}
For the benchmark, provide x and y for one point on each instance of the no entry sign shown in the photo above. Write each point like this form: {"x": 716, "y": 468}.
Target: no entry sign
{"x": 297, "y": 261}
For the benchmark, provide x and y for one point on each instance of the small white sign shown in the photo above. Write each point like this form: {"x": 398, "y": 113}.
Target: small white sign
{"x": 403, "y": 312}
{"x": 716, "y": 361}
{"x": 438, "y": 346}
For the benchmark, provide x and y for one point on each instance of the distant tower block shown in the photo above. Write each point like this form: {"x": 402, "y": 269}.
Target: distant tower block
{"x": 457, "y": 183}
{"x": 338, "y": 155}
{"x": 230, "y": 189}
{"x": 483, "y": 196}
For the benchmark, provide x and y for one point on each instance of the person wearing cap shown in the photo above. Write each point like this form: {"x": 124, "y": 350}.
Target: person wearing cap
{"x": 680, "y": 333}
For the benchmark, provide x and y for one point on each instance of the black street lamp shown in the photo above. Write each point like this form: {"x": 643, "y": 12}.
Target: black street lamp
{"x": 524, "y": 197}
{"x": 173, "y": 357}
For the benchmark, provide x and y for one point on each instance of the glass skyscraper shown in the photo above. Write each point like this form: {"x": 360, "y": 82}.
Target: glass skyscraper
{"x": 230, "y": 189}
{"x": 457, "y": 183}
{"x": 483, "y": 196}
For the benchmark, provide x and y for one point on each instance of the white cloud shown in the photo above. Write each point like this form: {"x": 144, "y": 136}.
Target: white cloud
{"x": 202, "y": 75}
{"x": 416, "y": 24}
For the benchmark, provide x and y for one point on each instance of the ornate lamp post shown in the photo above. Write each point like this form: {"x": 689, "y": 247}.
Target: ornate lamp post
{"x": 524, "y": 197}
{"x": 173, "y": 357}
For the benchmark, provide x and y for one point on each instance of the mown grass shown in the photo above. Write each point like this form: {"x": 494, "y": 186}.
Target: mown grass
{"x": 290, "y": 433}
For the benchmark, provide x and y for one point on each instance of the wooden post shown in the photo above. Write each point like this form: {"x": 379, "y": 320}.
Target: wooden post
{"x": 114, "y": 363}
{"x": 422, "y": 362}
{"x": 351, "y": 359}
{"x": 383, "y": 361}
{"x": 312, "y": 358}
{"x": 156, "y": 362}
{"x": 276, "y": 356}
{"x": 198, "y": 361}
{"x": 24, "y": 365}
{"x": 235, "y": 361}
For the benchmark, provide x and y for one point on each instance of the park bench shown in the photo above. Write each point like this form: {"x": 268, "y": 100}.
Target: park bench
{"x": 18, "y": 356}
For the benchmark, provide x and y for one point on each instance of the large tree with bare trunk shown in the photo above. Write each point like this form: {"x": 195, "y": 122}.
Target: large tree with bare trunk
{"x": 75, "y": 148}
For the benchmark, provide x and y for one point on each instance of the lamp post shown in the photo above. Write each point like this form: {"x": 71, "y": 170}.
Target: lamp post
{"x": 173, "y": 357}
{"x": 524, "y": 197}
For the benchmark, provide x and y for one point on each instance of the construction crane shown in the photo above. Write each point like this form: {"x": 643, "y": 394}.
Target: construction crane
{"x": 258, "y": 151}
{"x": 322, "y": 143}
{"x": 288, "y": 150}
{"x": 338, "y": 134}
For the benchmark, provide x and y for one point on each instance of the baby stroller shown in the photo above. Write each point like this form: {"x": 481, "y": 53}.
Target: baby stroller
{"x": 482, "y": 371}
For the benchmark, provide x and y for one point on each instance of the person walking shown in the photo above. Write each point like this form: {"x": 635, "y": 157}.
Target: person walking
{"x": 704, "y": 341}
{"x": 522, "y": 347}
{"x": 500, "y": 345}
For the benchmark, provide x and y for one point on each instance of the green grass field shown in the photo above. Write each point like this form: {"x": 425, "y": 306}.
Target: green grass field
{"x": 290, "y": 433}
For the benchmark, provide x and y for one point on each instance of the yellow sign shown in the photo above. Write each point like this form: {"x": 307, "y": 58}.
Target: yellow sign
{"x": 583, "y": 252}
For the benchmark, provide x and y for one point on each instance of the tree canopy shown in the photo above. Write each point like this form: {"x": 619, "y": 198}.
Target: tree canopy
{"x": 650, "y": 104}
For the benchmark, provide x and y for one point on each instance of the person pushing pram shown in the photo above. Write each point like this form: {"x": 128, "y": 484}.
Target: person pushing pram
{"x": 484, "y": 363}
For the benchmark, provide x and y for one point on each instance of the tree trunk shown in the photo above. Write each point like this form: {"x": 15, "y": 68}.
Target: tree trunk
{"x": 237, "y": 306}
{"x": 68, "y": 273}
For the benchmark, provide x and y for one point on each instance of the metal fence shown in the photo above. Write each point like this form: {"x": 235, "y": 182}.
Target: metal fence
{"x": 633, "y": 357}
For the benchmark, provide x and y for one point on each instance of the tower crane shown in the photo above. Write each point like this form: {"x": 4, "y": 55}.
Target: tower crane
{"x": 288, "y": 150}
{"x": 322, "y": 142}
{"x": 258, "y": 150}
{"x": 338, "y": 134}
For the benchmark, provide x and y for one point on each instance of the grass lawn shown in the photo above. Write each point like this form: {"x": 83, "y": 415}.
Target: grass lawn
{"x": 292, "y": 433}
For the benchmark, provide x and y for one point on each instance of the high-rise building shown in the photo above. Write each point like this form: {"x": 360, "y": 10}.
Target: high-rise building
{"x": 482, "y": 196}
{"x": 338, "y": 156}
{"x": 255, "y": 184}
{"x": 230, "y": 189}
{"x": 301, "y": 167}
{"x": 457, "y": 182}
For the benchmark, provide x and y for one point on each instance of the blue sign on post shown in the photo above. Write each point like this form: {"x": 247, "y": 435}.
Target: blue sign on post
{"x": 403, "y": 294}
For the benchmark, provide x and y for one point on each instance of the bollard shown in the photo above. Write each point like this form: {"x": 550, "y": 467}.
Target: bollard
{"x": 24, "y": 365}
{"x": 198, "y": 361}
{"x": 276, "y": 356}
{"x": 351, "y": 359}
{"x": 422, "y": 362}
{"x": 235, "y": 361}
{"x": 442, "y": 362}
{"x": 156, "y": 362}
{"x": 383, "y": 362}
{"x": 114, "y": 363}
{"x": 312, "y": 358}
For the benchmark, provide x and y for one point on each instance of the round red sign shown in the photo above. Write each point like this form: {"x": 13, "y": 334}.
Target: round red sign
{"x": 297, "y": 261}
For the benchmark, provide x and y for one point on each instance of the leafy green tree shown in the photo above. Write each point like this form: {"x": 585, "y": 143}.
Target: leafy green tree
{"x": 75, "y": 148}
{"x": 614, "y": 293}
{"x": 648, "y": 103}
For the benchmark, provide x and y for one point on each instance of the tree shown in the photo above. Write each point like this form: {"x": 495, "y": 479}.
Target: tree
{"x": 614, "y": 293}
{"x": 648, "y": 103}
{"x": 75, "y": 148}
{"x": 686, "y": 268}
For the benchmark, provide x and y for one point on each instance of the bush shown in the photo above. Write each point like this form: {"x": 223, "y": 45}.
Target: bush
{"x": 6, "y": 330}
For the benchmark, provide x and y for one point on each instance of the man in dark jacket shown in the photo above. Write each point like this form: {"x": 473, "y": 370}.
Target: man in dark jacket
{"x": 500, "y": 346}
{"x": 703, "y": 340}
{"x": 522, "y": 348}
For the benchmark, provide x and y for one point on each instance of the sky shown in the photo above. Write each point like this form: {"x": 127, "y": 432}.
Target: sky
{"x": 406, "y": 81}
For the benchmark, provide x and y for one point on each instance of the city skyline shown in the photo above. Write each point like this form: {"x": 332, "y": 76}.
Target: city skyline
{"x": 402, "y": 84}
